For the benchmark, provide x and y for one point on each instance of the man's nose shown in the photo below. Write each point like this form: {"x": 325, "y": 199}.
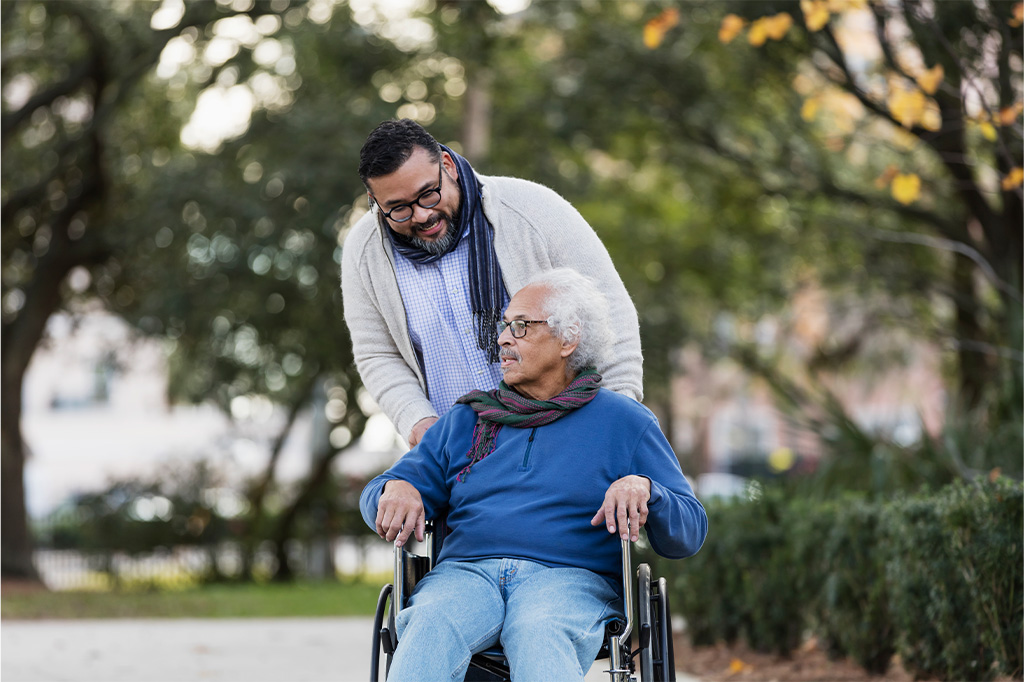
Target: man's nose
{"x": 505, "y": 338}
{"x": 420, "y": 214}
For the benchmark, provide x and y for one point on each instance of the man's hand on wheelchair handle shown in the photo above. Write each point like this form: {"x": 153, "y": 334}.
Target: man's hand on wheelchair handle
{"x": 400, "y": 512}
{"x": 625, "y": 501}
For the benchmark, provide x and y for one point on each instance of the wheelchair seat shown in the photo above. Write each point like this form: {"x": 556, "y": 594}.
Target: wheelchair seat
{"x": 653, "y": 656}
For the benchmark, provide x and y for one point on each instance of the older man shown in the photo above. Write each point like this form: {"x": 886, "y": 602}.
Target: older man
{"x": 426, "y": 273}
{"x": 529, "y": 476}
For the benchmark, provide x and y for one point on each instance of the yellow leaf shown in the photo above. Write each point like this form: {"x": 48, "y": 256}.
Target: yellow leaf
{"x": 774, "y": 27}
{"x": 809, "y": 110}
{"x": 840, "y": 6}
{"x": 737, "y": 666}
{"x": 907, "y": 106}
{"x": 931, "y": 79}
{"x": 1008, "y": 116}
{"x": 816, "y": 14}
{"x": 931, "y": 119}
{"x": 732, "y": 26}
{"x": 1013, "y": 179}
{"x": 906, "y": 188}
{"x": 779, "y": 25}
{"x": 988, "y": 131}
{"x": 656, "y": 28}
{"x": 1018, "y": 15}
{"x": 758, "y": 33}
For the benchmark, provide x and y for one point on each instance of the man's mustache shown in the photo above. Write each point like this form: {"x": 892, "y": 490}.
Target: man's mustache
{"x": 510, "y": 354}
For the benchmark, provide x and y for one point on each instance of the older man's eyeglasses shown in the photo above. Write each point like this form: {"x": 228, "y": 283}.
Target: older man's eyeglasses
{"x": 428, "y": 199}
{"x": 518, "y": 327}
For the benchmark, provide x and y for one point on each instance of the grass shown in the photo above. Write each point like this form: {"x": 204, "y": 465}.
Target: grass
{"x": 302, "y": 599}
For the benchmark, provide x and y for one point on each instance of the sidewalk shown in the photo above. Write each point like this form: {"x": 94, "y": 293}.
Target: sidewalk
{"x": 206, "y": 650}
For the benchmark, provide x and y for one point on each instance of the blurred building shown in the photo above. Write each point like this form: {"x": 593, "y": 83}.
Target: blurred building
{"x": 96, "y": 410}
{"x": 727, "y": 420}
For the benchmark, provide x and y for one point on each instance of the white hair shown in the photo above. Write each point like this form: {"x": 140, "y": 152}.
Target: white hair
{"x": 577, "y": 312}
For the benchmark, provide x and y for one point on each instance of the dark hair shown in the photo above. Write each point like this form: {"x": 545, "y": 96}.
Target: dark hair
{"x": 390, "y": 145}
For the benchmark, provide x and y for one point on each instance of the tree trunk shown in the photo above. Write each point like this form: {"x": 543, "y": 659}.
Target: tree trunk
{"x": 20, "y": 339}
{"x": 476, "y": 124}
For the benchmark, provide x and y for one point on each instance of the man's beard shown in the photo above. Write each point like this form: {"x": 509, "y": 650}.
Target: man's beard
{"x": 441, "y": 245}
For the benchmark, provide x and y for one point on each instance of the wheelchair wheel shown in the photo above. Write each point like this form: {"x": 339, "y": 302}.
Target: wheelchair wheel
{"x": 657, "y": 662}
{"x": 643, "y": 604}
{"x": 382, "y": 637}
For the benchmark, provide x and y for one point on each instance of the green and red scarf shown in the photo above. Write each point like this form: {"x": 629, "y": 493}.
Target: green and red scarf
{"x": 506, "y": 407}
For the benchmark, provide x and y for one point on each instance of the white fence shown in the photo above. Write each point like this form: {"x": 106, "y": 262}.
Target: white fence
{"x": 76, "y": 570}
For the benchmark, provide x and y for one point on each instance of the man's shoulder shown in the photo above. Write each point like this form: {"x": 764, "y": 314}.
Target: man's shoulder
{"x": 622, "y": 406}
{"x": 516, "y": 190}
{"x": 361, "y": 236}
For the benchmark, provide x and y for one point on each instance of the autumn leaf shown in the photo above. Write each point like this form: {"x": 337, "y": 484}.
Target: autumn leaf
{"x": 907, "y": 106}
{"x": 732, "y": 26}
{"x": 931, "y": 79}
{"x": 737, "y": 666}
{"x": 1008, "y": 116}
{"x": 816, "y": 14}
{"x": 1018, "y": 15}
{"x": 656, "y": 28}
{"x": 758, "y": 33}
{"x": 774, "y": 27}
{"x": 1013, "y": 179}
{"x": 809, "y": 111}
{"x": 906, "y": 188}
{"x": 988, "y": 131}
{"x": 779, "y": 25}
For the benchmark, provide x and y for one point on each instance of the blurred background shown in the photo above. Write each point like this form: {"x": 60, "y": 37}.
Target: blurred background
{"x": 815, "y": 205}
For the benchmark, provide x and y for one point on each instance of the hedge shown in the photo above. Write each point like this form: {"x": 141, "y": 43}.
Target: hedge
{"x": 936, "y": 578}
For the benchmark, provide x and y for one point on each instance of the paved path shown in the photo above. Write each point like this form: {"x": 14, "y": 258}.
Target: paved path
{"x": 200, "y": 650}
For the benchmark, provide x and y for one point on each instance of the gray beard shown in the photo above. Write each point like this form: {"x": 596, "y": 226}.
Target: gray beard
{"x": 439, "y": 246}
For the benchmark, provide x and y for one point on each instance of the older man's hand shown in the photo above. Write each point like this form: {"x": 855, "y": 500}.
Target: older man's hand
{"x": 419, "y": 430}
{"x": 625, "y": 501}
{"x": 400, "y": 512}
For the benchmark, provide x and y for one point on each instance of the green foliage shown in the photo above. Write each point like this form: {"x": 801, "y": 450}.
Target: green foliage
{"x": 936, "y": 578}
{"x": 954, "y": 567}
{"x": 854, "y": 603}
{"x": 741, "y": 583}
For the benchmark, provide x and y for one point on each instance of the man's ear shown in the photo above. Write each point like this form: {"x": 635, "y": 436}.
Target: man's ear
{"x": 568, "y": 348}
{"x": 450, "y": 166}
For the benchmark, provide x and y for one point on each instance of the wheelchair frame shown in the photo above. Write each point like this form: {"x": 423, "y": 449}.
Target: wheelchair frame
{"x": 654, "y": 653}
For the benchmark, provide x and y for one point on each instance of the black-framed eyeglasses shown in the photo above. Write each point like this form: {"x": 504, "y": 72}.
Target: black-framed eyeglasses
{"x": 518, "y": 327}
{"x": 427, "y": 199}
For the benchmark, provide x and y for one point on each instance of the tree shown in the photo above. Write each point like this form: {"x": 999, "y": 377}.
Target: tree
{"x": 71, "y": 74}
{"x": 940, "y": 83}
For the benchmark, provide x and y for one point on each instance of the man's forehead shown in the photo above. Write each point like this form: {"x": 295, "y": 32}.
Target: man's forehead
{"x": 417, "y": 174}
{"x": 527, "y": 303}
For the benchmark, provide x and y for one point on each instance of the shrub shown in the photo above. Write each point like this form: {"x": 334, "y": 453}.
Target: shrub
{"x": 955, "y": 572}
{"x": 742, "y": 581}
{"x": 936, "y": 578}
{"x": 855, "y": 597}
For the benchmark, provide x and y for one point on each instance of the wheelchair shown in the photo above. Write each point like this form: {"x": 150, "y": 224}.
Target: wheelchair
{"x": 653, "y": 658}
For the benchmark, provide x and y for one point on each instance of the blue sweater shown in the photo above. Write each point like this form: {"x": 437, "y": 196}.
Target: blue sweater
{"x": 534, "y": 496}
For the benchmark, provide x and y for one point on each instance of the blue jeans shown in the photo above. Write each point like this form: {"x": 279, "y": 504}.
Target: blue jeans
{"x": 550, "y": 621}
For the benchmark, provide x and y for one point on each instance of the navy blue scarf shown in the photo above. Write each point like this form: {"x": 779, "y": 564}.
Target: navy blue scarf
{"x": 486, "y": 288}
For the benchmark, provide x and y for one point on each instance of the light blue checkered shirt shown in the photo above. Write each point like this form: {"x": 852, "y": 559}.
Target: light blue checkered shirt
{"x": 440, "y": 318}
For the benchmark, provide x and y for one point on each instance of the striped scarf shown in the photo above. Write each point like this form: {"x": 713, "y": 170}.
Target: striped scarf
{"x": 505, "y": 406}
{"x": 487, "y": 293}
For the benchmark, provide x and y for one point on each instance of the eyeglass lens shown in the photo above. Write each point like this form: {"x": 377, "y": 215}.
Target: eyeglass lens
{"x": 428, "y": 199}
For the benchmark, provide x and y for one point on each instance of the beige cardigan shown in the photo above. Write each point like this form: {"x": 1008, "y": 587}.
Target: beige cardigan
{"x": 535, "y": 229}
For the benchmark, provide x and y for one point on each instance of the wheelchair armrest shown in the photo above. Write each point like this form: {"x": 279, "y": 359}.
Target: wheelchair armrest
{"x": 409, "y": 568}
{"x": 627, "y": 590}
